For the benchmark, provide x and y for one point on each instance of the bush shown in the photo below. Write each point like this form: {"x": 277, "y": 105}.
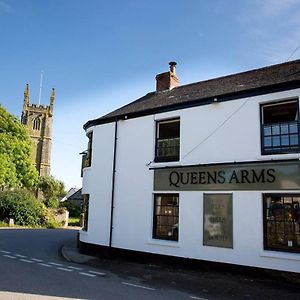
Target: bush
{"x": 24, "y": 208}
{"x": 52, "y": 203}
{"x": 74, "y": 210}
{"x": 51, "y": 187}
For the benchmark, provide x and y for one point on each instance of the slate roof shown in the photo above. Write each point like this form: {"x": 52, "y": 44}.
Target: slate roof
{"x": 76, "y": 196}
{"x": 272, "y": 78}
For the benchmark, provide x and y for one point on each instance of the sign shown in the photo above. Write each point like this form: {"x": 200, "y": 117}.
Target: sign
{"x": 217, "y": 220}
{"x": 260, "y": 176}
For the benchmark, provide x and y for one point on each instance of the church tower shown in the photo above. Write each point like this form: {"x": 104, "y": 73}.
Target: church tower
{"x": 38, "y": 120}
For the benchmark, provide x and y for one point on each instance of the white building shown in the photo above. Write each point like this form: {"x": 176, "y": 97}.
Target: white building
{"x": 207, "y": 171}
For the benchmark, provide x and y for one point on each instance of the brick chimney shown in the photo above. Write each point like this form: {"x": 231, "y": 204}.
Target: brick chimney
{"x": 167, "y": 80}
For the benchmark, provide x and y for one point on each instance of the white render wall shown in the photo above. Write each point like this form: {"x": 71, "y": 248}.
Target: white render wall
{"x": 97, "y": 182}
{"x": 219, "y": 132}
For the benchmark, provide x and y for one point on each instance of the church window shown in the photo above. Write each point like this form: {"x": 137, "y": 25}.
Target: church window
{"x": 37, "y": 123}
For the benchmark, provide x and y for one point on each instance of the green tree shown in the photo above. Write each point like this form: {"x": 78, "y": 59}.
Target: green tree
{"x": 16, "y": 168}
{"x": 51, "y": 187}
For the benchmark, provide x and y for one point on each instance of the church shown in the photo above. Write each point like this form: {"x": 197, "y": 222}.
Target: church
{"x": 38, "y": 120}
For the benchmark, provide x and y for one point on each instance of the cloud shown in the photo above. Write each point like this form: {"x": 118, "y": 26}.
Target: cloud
{"x": 277, "y": 7}
{"x": 272, "y": 27}
{"x": 5, "y": 7}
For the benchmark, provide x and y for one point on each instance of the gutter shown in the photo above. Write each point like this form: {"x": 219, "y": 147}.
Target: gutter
{"x": 113, "y": 185}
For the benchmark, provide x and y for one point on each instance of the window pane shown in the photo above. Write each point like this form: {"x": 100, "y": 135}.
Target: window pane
{"x": 275, "y": 129}
{"x": 267, "y": 142}
{"x": 280, "y": 112}
{"x": 168, "y": 130}
{"x": 284, "y": 128}
{"x": 294, "y": 139}
{"x": 293, "y": 128}
{"x": 267, "y": 130}
{"x": 275, "y": 141}
{"x": 284, "y": 140}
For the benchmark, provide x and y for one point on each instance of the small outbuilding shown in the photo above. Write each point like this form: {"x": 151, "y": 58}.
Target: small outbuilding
{"x": 74, "y": 196}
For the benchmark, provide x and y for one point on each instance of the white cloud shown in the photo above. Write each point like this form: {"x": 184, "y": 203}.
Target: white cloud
{"x": 273, "y": 29}
{"x": 5, "y": 7}
{"x": 277, "y": 7}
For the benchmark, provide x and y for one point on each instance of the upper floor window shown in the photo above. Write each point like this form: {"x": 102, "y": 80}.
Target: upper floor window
{"x": 87, "y": 155}
{"x": 167, "y": 140}
{"x": 280, "y": 127}
{"x": 36, "y": 123}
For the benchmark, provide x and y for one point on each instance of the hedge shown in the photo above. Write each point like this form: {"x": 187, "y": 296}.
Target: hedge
{"x": 25, "y": 209}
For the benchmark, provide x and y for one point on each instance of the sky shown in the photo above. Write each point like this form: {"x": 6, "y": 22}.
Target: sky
{"x": 100, "y": 55}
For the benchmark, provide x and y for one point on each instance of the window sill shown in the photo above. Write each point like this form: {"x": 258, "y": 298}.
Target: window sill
{"x": 164, "y": 243}
{"x": 280, "y": 255}
{"x": 86, "y": 170}
{"x": 279, "y": 156}
{"x": 165, "y": 164}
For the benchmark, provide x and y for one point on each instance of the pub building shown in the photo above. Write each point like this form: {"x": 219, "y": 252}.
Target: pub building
{"x": 207, "y": 171}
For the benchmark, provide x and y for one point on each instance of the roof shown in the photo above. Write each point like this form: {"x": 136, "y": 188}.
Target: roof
{"x": 272, "y": 78}
{"x": 76, "y": 196}
{"x": 70, "y": 193}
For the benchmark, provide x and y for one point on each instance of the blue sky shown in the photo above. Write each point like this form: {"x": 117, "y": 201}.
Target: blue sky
{"x": 99, "y": 55}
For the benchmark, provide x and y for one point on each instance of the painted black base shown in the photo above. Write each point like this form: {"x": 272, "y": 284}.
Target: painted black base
{"x": 176, "y": 263}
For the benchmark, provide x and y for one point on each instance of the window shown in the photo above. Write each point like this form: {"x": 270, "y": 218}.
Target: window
{"x": 86, "y": 200}
{"x": 37, "y": 123}
{"x": 166, "y": 216}
{"x": 167, "y": 140}
{"x": 282, "y": 222}
{"x": 280, "y": 127}
{"x": 87, "y": 155}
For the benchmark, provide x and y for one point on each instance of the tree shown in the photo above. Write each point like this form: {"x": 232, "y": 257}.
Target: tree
{"x": 51, "y": 187}
{"x": 16, "y": 168}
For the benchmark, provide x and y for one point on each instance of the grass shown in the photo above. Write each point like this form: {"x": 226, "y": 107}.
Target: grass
{"x": 3, "y": 224}
{"x": 74, "y": 221}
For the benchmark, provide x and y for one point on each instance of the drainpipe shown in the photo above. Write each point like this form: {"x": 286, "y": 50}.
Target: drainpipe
{"x": 113, "y": 186}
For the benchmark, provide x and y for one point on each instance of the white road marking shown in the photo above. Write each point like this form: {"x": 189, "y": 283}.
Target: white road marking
{"x": 138, "y": 286}
{"x": 19, "y": 255}
{"x": 36, "y": 259}
{"x": 97, "y": 273}
{"x": 65, "y": 269}
{"x": 197, "y": 298}
{"x": 75, "y": 268}
{"x": 7, "y": 252}
{"x": 87, "y": 274}
{"x": 45, "y": 265}
{"x": 55, "y": 264}
{"x": 9, "y": 256}
{"x": 26, "y": 260}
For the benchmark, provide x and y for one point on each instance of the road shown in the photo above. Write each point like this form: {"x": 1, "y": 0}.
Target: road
{"x": 31, "y": 267}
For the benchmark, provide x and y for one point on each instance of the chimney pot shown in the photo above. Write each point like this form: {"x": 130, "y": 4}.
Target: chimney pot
{"x": 173, "y": 66}
{"x": 167, "y": 80}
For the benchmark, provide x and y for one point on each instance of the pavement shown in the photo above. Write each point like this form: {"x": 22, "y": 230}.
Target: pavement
{"x": 71, "y": 253}
{"x": 209, "y": 284}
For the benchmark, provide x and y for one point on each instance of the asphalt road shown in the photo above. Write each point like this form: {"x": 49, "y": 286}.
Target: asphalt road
{"x": 31, "y": 267}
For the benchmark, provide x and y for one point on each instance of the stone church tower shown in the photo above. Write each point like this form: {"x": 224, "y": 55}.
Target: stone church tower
{"x": 38, "y": 120}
